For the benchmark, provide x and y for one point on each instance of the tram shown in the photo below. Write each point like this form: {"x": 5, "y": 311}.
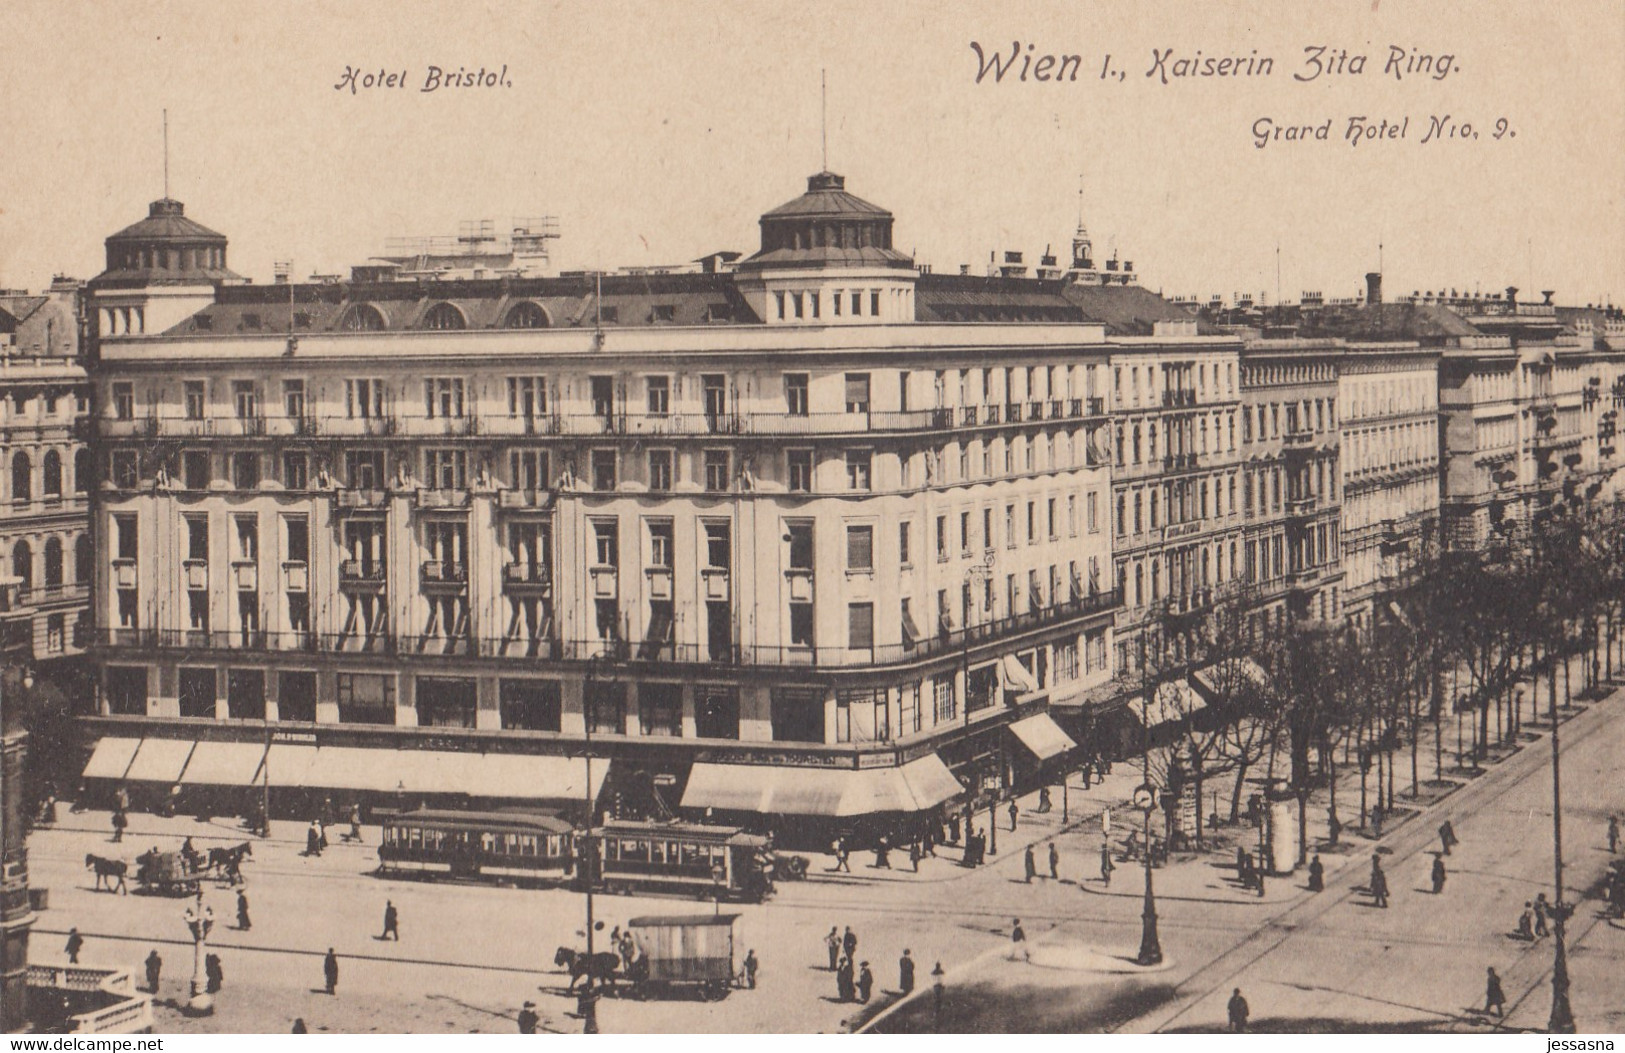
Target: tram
{"x": 711, "y": 862}
{"x": 505, "y": 845}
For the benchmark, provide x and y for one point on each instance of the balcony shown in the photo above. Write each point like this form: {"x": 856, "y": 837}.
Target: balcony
{"x": 1178, "y": 462}
{"x": 361, "y": 500}
{"x": 1179, "y": 398}
{"x": 1299, "y": 507}
{"x": 296, "y": 576}
{"x": 246, "y": 575}
{"x": 525, "y": 577}
{"x": 435, "y": 497}
{"x": 358, "y": 576}
{"x": 524, "y": 499}
{"x": 196, "y": 572}
{"x": 1299, "y": 437}
{"x": 441, "y": 575}
{"x": 660, "y": 583}
{"x": 124, "y": 573}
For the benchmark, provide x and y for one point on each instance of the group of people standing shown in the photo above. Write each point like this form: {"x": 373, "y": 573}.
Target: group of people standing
{"x": 853, "y": 983}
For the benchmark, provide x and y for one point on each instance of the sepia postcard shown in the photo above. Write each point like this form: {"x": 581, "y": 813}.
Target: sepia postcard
{"x": 733, "y": 518}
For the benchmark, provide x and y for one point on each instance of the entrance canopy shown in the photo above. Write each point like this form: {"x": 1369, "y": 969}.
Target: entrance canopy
{"x": 224, "y": 764}
{"x": 1173, "y": 701}
{"x": 160, "y": 760}
{"x": 917, "y": 786}
{"x": 1042, "y": 737}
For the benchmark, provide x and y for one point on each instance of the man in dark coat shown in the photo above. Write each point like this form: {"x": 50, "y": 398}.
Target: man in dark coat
{"x": 155, "y": 966}
{"x": 1317, "y": 874}
{"x": 242, "y": 911}
{"x": 748, "y": 973}
{"x": 1014, "y": 811}
{"x": 1447, "y": 837}
{"x": 905, "y": 972}
{"x": 1106, "y": 865}
{"x": 215, "y": 975}
{"x": 528, "y": 1019}
{"x": 1054, "y": 862}
{"x": 866, "y": 983}
{"x": 392, "y": 922}
{"x": 1031, "y": 865}
{"x": 844, "y": 986}
{"x": 1438, "y": 873}
{"x": 849, "y": 942}
{"x": 1018, "y": 941}
{"x": 1379, "y": 887}
{"x": 1543, "y": 911}
{"x": 120, "y": 821}
{"x": 330, "y": 969}
{"x": 1494, "y": 997}
{"x": 75, "y": 943}
{"x": 832, "y": 943}
{"x": 1239, "y": 1011}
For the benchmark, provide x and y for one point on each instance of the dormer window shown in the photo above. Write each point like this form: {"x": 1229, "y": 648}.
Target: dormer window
{"x": 444, "y": 316}
{"x": 664, "y": 312}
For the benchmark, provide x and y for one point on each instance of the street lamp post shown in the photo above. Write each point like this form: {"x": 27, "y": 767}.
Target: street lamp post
{"x": 589, "y": 998}
{"x": 1562, "y": 1018}
{"x": 200, "y": 919}
{"x": 1145, "y": 798}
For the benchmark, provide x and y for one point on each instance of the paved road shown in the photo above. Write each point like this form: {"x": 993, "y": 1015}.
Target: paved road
{"x": 1333, "y": 961}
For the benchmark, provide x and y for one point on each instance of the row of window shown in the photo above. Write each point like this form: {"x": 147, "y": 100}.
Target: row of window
{"x": 49, "y": 476}
{"x": 1272, "y": 420}
{"x": 1181, "y": 436}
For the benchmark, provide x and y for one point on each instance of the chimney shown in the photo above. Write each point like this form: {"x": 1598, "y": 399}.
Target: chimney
{"x": 1548, "y": 293}
{"x": 1373, "y": 288}
{"x": 1512, "y": 295}
{"x": 964, "y": 268}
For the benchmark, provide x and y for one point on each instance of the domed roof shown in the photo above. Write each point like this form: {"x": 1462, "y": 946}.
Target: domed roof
{"x": 826, "y": 196}
{"x": 166, "y": 221}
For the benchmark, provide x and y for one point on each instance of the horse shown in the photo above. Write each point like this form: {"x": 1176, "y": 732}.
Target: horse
{"x": 110, "y": 871}
{"x": 600, "y": 966}
{"x": 230, "y": 860}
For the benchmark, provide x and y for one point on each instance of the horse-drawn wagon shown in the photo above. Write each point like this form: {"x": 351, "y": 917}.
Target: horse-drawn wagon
{"x": 695, "y": 951}
{"x": 168, "y": 873}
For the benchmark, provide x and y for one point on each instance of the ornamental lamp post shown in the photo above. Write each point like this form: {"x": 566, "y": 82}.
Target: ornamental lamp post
{"x": 1145, "y": 799}
{"x": 199, "y": 920}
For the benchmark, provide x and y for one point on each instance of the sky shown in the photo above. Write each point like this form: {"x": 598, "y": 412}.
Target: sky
{"x": 658, "y": 132}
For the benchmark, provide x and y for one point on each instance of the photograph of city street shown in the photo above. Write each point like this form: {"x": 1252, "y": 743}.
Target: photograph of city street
{"x": 820, "y": 518}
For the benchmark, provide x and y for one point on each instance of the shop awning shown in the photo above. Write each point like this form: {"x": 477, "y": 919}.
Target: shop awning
{"x": 1016, "y": 677}
{"x": 1223, "y": 679}
{"x": 1173, "y": 701}
{"x": 1042, "y": 736}
{"x": 160, "y": 760}
{"x": 506, "y": 775}
{"x": 920, "y": 784}
{"x": 111, "y": 758}
{"x": 224, "y": 764}
{"x": 518, "y": 776}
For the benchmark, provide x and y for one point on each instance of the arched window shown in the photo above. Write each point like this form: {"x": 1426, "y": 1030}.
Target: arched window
{"x": 22, "y": 477}
{"x": 84, "y": 560}
{"x": 51, "y": 471}
{"x": 22, "y": 563}
{"x": 81, "y": 470}
{"x": 444, "y": 316}
{"x": 362, "y": 318}
{"x": 53, "y": 562}
{"x": 527, "y": 315}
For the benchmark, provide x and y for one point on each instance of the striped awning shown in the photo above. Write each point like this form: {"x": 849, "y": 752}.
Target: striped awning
{"x": 160, "y": 760}
{"x": 224, "y": 764}
{"x": 1042, "y": 737}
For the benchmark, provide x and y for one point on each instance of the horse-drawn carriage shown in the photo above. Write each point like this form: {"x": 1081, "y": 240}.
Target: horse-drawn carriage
{"x": 694, "y": 951}
{"x": 169, "y": 873}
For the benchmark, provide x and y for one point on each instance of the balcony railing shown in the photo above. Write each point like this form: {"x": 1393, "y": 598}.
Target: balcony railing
{"x": 355, "y": 572}
{"x": 1179, "y": 398}
{"x": 526, "y": 574}
{"x": 442, "y": 572}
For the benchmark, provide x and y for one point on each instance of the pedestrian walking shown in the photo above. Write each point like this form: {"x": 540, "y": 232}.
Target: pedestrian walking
{"x": 1543, "y": 910}
{"x": 845, "y": 988}
{"x": 120, "y": 821}
{"x": 1526, "y": 922}
{"x": 355, "y": 823}
{"x": 75, "y": 943}
{"x": 866, "y": 983}
{"x": 905, "y": 972}
{"x": 1014, "y": 811}
{"x": 748, "y": 974}
{"x": 242, "y": 912}
{"x": 321, "y": 831}
{"x": 882, "y": 855}
{"x": 842, "y": 855}
{"x": 1613, "y": 834}
{"x": 213, "y": 973}
{"x": 1258, "y": 881}
{"x": 122, "y": 799}
{"x": 1379, "y": 887}
{"x": 849, "y": 942}
{"x": 1447, "y": 836}
{"x": 155, "y": 967}
{"x": 1438, "y": 873}
{"x": 1018, "y": 941}
{"x": 1106, "y": 865}
{"x": 330, "y": 970}
{"x": 299, "y": 1027}
{"x": 914, "y": 855}
{"x": 528, "y": 1020}
{"x": 1317, "y": 874}
{"x": 1239, "y": 1011}
{"x": 953, "y": 829}
{"x": 1030, "y": 864}
{"x": 313, "y": 840}
{"x": 628, "y": 949}
{"x": 833, "y": 943}
{"x": 1044, "y": 802}
{"x": 392, "y": 922}
{"x": 1054, "y": 862}
{"x": 1494, "y": 997}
